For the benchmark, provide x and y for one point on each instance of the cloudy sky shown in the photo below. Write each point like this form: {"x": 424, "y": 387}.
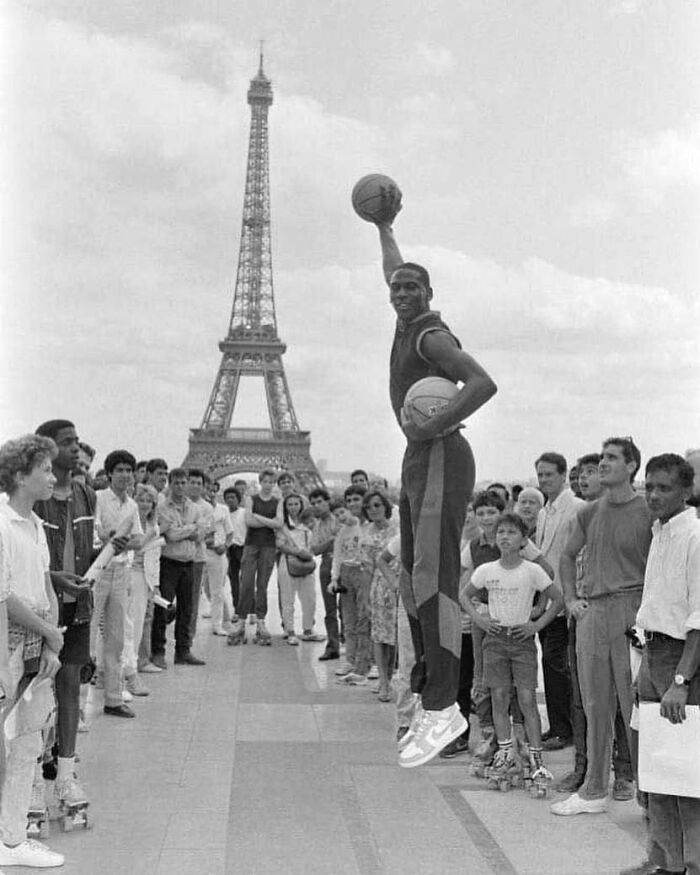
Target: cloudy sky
{"x": 549, "y": 155}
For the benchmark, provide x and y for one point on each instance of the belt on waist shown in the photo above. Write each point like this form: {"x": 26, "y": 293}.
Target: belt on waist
{"x": 660, "y": 636}
{"x": 505, "y": 631}
{"x": 637, "y": 590}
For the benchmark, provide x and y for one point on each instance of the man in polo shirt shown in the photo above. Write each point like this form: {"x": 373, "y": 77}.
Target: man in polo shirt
{"x": 554, "y": 522}
{"x": 178, "y": 522}
{"x": 115, "y": 514}
{"x": 616, "y": 531}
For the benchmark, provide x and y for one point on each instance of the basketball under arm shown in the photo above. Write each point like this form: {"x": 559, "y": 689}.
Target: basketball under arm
{"x": 441, "y": 348}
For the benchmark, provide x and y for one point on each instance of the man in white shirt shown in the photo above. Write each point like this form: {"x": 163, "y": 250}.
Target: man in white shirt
{"x": 553, "y": 526}
{"x": 196, "y": 480}
{"x": 670, "y": 674}
{"x": 34, "y": 640}
{"x": 217, "y": 538}
{"x": 117, "y": 520}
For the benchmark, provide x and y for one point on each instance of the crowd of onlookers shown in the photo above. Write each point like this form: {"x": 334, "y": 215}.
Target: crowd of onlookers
{"x": 96, "y": 568}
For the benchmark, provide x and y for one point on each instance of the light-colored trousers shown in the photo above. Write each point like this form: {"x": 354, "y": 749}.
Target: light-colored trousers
{"x": 605, "y": 677}
{"x": 406, "y": 700}
{"x": 302, "y": 587}
{"x": 18, "y": 765}
{"x": 109, "y": 617}
{"x": 137, "y": 602}
{"x": 219, "y": 591}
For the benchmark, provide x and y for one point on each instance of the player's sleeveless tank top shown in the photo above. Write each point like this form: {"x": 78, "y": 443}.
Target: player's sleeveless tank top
{"x": 262, "y": 537}
{"x": 406, "y": 365}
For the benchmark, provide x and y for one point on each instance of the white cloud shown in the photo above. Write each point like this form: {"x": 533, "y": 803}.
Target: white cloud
{"x": 436, "y": 59}
{"x": 593, "y": 211}
{"x": 653, "y": 166}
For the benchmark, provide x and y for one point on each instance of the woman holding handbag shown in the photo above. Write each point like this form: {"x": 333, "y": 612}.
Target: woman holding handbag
{"x": 296, "y": 571}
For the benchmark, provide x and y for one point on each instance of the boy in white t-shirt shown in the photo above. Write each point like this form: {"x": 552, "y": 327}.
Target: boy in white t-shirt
{"x": 510, "y": 657}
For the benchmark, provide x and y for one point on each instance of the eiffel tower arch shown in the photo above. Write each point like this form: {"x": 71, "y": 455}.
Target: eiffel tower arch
{"x": 252, "y": 347}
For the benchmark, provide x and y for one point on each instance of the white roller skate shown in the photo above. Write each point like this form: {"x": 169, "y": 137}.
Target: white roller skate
{"x": 237, "y": 634}
{"x": 506, "y": 771}
{"x": 72, "y": 803}
{"x": 262, "y": 636}
{"x": 540, "y": 779}
{"x": 38, "y": 814}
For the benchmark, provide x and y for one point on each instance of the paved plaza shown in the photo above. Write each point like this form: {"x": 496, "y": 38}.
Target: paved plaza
{"x": 260, "y": 763}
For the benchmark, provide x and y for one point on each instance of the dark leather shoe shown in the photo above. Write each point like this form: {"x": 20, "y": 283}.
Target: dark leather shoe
{"x": 118, "y": 711}
{"x": 556, "y": 742}
{"x": 328, "y": 654}
{"x": 188, "y": 659}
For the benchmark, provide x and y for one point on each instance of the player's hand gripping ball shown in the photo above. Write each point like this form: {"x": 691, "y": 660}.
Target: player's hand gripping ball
{"x": 376, "y": 198}
{"x": 425, "y": 400}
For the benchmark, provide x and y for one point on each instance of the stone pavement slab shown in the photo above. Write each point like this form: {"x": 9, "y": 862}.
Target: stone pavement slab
{"x": 260, "y": 763}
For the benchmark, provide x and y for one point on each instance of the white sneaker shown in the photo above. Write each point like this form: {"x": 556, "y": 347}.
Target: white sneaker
{"x": 434, "y": 732}
{"x": 292, "y": 639}
{"x": 30, "y": 853}
{"x": 352, "y": 679}
{"x": 219, "y": 631}
{"x": 575, "y": 804}
{"x": 343, "y": 669}
{"x": 135, "y": 687}
{"x": 127, "y": 696}
{"x": 373, "y": 673}
{"x": 149, "y": 668}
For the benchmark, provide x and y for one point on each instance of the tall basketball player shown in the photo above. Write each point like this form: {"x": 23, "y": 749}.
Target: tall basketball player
{"x": 437, "y": 480}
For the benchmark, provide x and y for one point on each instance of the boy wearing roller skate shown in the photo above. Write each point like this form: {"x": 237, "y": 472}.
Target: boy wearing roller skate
{"x": 510, "y": 658}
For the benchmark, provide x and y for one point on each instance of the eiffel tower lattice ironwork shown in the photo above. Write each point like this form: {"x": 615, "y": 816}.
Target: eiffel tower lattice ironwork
{"x": 252, "y": 347}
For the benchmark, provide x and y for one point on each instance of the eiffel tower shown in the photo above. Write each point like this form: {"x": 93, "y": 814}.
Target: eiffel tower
{"x": 252, "y": 347}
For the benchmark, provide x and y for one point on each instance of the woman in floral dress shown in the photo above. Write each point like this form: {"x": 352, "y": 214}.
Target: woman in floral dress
{"x": 381, "y": 528}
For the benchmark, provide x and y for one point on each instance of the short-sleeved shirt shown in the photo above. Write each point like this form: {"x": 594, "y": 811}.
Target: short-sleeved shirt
{"x": 511, "y": 590}
{"x": 24, "y": 559}
{"x": 617, "y": 538}
{"x": 110, "y": 513}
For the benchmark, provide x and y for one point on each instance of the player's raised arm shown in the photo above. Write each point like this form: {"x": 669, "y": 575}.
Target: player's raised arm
{"x": 391, "y": 254}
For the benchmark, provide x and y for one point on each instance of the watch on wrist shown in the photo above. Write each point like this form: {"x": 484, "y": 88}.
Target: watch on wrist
{"x": 681, "y": 681}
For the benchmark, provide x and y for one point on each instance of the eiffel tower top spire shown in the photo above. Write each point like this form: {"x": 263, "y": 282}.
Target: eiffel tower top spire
{"x": 253, "y": 315}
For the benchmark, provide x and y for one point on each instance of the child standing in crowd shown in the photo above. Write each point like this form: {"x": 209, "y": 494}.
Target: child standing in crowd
{"x": 294, "y": 543}
{"x": 28, "y": 600}
{"x": 380, "y": 529}
{"x": 352, "y": 582}
{"x": 509, "y": 653}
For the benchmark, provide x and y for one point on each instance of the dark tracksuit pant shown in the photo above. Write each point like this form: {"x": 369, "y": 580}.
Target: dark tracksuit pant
{"x": 437, "y": 480}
